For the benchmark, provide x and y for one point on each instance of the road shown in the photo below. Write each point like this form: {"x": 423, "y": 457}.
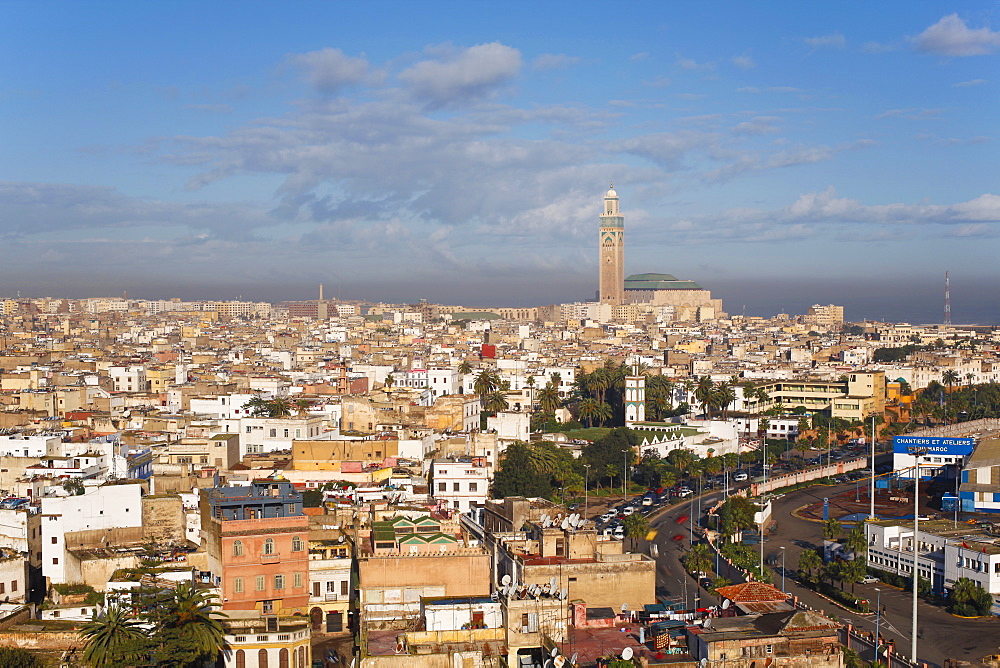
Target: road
{"x": 940, "y": 635}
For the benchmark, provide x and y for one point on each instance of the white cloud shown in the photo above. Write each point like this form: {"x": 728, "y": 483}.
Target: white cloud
{"x": 328, "y": 70}
{"x": 744, "y": 62}
{"x": 690, "y": 64}
{"x": 832, "y": 41}
{"x": 967, "y": 84}
{"x": 771, "y": 89}
{"x": 467, "y": 76}
{"x": 952, "y": 37}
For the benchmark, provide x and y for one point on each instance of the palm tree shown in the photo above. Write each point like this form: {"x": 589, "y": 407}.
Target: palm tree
{"x": 548, "y": 398}
{"x": 832, "y": 528}
{"x": 699, "y": 559}
{"x": 949, "y": 378}
{"x": 530, "y": 382}
{"x": 485, "y": 383}
{"x": 587, "y": 410}
{"x": 496, "y": 402}
{"x": 465, "y": 367}
{"x": 636, "y": 527}
{"x": 598, "y": 382}
{"x": 703, "y": 393}
{"x": 389, "y": 381}
{"x": 603, "y": 412}
{"x": 810, "y": 561}
{"x": 280, "y": 407}
{"x": 187, "y": 614}
{"x": 112, "y": 639}
{"x": 725, "y": 395}
{"x": 301, "y": 406}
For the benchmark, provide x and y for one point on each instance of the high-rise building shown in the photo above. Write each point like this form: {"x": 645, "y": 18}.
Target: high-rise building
{"x": 612, "y": 272}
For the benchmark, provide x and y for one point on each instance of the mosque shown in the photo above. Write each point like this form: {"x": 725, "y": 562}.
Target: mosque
{"x": 689, "y": 300}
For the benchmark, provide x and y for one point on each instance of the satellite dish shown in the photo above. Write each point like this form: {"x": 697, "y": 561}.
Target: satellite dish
{"x": 554, "y": 653}
{"x": 564, "y": 525}
{"x": 627, "y": 653}
{"x": 559, "y": 661}
{"x": 548, "y": 664}
{"x": 624, "y": 607}
{"x": 725, "y": 604}
{"x": 703, "y": 662}
{"x": 553, "y": 583}
{"x": 572, "y": 659}
{"x": 544, "y": 520}
{"x": 506, "y": 579}
{"x": 563, "y": 593}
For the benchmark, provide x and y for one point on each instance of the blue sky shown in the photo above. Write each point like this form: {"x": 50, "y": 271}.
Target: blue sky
{"x": 779, "y": 153}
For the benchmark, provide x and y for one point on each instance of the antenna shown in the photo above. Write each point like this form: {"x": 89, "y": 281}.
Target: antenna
{"x": 947, "y": 301}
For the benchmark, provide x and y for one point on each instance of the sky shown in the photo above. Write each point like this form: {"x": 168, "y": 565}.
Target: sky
{"x": 781, "y": 154}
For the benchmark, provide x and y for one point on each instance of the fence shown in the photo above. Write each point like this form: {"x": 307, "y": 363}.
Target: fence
{"x": 864, "y": 644}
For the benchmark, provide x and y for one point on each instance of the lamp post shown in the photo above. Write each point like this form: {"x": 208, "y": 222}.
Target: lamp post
{"x": 878, "y": 620}
{"x": 917, "y": 453}
{"x": 586, "y": 490}
{"x": 871, "y": 511}
{"x": 782, "y": 548}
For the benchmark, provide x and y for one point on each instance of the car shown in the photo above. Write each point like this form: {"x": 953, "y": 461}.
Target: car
{"x": 682, "y": 519}
{"x": 678, "y": 537}
{"x": 628, "y": 510}
{"x": 868, "y": 579}
{"x": 647, "y": 500}
{"x": 740, "y": 476}
{"x": 685, "y": 492}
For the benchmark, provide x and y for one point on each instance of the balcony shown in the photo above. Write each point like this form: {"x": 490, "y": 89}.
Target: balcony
{"x": 270, "y": 558}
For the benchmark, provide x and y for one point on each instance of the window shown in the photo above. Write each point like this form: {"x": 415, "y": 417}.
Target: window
{"x": 55, "y": 540}
{"x": 473, "y": 487}
{"x": 238, "y": 585}
{"x": 291, "y": 510}
{"x": 297, "y": 580}
{"x": 273, "y": 433}
{"x": 3, "y": 589}
{"x": 55, "y": 560}
{"x": 267, "y": 607}
{"x": 238, "y": 548}
{"x": 330, "y": 586}
{"x": 285, "y": 431}
{"x": 343, "y": 587}
{"x": 269, "y": 546}
{"x": 248, "y": 429}
{"x": 296, "y": 542}
{"x": 241, "y": 659}
{"x": 260, "y": 583}
{"x": 456, "y": 487}
{"x": 262, "y": 656}
{"x": 442, "y": 487}
{"x": 279, "y": 581}
{"x": 13, "y": 585}
{"x": 768, "y": 648}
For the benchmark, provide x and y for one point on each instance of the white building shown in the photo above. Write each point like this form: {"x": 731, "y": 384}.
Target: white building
{"x": 259, "y": 435}
{"x": 222, "y": 407}
{"x": 510, "y": 426}
{"x": 129, "y": 378}
{"x": 945, "y": 552}
{"x": 100, "y": 507}
{"x": 19, "y": 445}
{"x": 460, "y": 484}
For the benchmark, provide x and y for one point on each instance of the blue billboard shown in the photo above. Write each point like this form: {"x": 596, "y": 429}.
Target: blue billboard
{"x": 937, "y": 445}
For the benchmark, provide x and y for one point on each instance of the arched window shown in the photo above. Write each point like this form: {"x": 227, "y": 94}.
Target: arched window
{"x": 283, "y": 658}
{"x": 238, "y": 548}
{"x": 241, "y": 659}
{"x": 262, "y": 659}
{"x": 269, "y": 546}
{"x": 296, "y": 544}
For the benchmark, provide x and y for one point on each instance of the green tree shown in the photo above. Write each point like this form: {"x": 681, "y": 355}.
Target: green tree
{"x": 587, "y": 409}
{"x": 495, "y": 402}
{"x": 832, "y": 528}
{"x": 969, "y": 599}
{"x": 517, "y": 474}
{"x": 736, "y": 514}
{"x": 15, "y": 657}
{"x": 465, "y": 367}
{"x": 187, "y": 632}
{"x": 810, "y": 562}
{"x": 856, "y": 543}
{"x": 548, "y": 398}
{"x": 485, "y": 383}
{"x": 699, "y": 559}
{"x": 636, "y": 527}
{"x": 112, "y": 639}
{"x": 603, "y": 412}
{"x": 703, "y": 393}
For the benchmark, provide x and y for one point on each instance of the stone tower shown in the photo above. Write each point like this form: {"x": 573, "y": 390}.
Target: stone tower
{"x": 612, "y": 258}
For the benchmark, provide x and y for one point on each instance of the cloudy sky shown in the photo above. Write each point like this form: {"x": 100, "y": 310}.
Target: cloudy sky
{"x": 779, "y": 153}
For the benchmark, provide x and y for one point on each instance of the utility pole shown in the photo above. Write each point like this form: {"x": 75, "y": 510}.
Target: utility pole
{"x": 917, "y": 453}
{"x": 871, "y": 512}
{"x": 586, "y": 490}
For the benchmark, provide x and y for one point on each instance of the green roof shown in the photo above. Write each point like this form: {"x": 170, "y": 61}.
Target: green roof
{"x": 659, "y": 282}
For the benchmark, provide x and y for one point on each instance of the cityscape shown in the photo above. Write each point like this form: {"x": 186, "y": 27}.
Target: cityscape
{"x": 440, "y": 336}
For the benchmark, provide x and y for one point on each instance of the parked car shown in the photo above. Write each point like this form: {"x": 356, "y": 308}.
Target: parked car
{"x": 740, "y": 476}
{"x": 868, "y": 579}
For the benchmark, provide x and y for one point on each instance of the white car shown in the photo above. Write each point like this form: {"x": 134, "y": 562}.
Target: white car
{"x": 628, "y": 510}
{"x": 685, "y": 492}
{"x": 619, "y": 532}
{"x": 740, "y": 477}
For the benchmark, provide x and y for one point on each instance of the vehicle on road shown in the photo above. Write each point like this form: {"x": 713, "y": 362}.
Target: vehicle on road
{"x": 628, "y": 510}
{"x": 647, "y": 500}
{"x": 682, "y": 519}
{"x": 740, "y": 476}
{"x": 868, "y": 579}
{"x": 685, "y": 492}
{"x": 678, "y": 537}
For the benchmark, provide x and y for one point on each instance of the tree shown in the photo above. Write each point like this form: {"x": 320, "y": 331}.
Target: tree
{"x": 548, "y": 398}
{"x": 517, "y": 474}
{"x": 703, "y": 393}
{"x": 485, "y": 383}
{"x": 810, "y": 562}
{"x": 736, "y": 514}
{"x": 465, "y": 368}
{"x": 699, "y": 559}
{"x": 969, "y": 599}
{"x": 15, "y": 657}
{"x": 603, "y": 412}
{"x": 855, "y": 542}
{"x": 587, "y": 409}
{"x": 112, "y": 639}
{"x": 832, "y": 528}
{"x": 636, "y": 527}
{"x": 184, "y": 629}
{"x": 495, "y": 402}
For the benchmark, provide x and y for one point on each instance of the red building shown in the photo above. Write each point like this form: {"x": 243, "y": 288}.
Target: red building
{"x": 257, "y": 541}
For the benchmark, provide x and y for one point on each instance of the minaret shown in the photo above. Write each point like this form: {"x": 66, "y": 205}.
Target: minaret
{"x": 612, "y": 257}
{"x": 635, "y": 397}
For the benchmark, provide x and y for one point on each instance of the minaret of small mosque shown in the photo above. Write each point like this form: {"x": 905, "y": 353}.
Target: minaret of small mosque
{"x": 611, "y": 289}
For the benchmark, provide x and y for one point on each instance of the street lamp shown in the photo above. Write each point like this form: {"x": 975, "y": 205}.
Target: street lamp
{"x": 878, "y": 620}
{"x": 917, "y": 454}
{"x": 586, "y": 497}
{"x": 782, "y": 548}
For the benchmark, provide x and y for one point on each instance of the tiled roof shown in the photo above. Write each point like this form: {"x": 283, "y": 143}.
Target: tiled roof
{"x": 751, "y": 592}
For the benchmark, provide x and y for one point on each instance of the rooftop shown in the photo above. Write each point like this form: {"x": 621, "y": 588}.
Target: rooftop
{"x": 658, "y": 282}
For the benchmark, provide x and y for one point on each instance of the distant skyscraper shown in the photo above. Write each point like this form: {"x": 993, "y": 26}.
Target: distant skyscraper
{"x": 612, "y": 257}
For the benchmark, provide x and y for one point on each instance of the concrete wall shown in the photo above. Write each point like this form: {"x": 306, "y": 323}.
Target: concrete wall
{"x": 163, "y": 518}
